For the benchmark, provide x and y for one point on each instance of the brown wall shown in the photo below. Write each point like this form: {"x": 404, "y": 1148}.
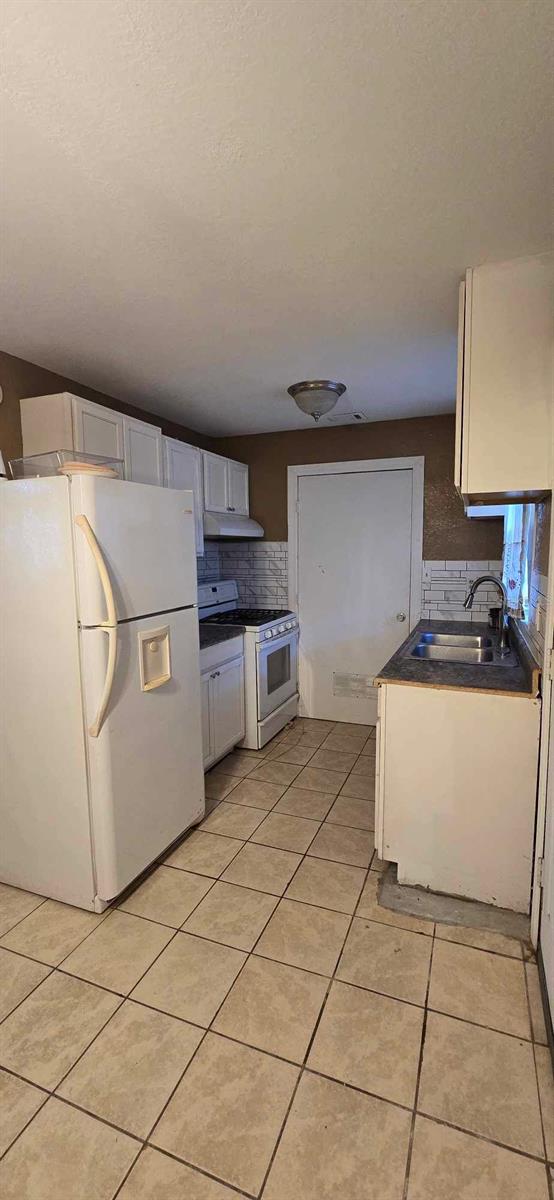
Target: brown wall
{"x": 19, "y": 378}
{"x": 447, "y": 532}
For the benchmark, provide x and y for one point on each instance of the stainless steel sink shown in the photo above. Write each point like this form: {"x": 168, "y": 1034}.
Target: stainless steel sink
{"x": 473, "y": 640}
{"x": 465, "y": 651}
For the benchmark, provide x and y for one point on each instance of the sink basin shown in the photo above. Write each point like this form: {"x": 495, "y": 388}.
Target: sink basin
{"x": 476, "y": 641}
{"x": 466, "y": 652}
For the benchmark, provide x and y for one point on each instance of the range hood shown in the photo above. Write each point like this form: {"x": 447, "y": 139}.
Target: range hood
{"x": 230, "y": 525}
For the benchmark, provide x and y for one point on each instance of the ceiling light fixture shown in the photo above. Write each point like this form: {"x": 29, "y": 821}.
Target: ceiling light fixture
{"x": 316, "y": 396}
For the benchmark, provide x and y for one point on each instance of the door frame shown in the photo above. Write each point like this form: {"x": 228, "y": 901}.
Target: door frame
{"x": 360, "y": 466}
{"x": 546, "y": 752}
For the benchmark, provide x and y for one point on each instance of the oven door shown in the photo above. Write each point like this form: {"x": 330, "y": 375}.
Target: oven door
{"x": 277, "y": 671}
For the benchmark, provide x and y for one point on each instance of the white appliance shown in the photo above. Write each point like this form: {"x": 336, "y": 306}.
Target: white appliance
{"x": 231, "y": 525}
{"x": 101, "y": 743}
{"x": 270, "y": 658}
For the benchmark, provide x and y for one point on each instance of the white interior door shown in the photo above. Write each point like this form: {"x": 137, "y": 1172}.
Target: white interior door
{"x": 146, "y": 773}
{"x": 354, "y": 554}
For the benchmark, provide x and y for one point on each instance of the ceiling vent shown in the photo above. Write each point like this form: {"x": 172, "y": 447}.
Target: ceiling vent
{"x": 345, "y": 418}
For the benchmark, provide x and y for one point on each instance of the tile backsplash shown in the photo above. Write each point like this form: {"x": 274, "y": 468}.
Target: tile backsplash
{"x": 533, "y": 628}
{"x": 445, "y": 584}
{"x": 260, "y": 569}
{"x": 208, "y": 567}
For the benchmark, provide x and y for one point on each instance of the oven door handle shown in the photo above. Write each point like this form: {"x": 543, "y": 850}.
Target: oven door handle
{"x": 276, "y": 643}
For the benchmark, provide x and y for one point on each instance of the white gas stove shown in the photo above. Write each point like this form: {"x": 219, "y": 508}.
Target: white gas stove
{"x": 270, "y": 657}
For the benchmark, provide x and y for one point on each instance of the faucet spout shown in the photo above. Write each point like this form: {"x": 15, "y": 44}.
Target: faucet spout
{"x": 503, "y": 644}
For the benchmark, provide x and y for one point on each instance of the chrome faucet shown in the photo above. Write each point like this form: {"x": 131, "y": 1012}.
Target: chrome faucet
{"x": 503, "y": 645}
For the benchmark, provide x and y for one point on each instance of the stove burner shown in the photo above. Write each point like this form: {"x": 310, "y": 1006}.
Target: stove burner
{"x": 249, "y": 616}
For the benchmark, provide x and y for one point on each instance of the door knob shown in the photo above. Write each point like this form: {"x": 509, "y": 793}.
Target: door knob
{"x": 401, "y": 616}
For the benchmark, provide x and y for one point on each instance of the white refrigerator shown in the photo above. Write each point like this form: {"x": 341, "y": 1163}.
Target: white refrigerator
{"x": 100, "y": 729}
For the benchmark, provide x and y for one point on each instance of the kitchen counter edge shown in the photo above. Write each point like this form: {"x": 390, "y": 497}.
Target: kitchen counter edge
{"x": 520, "y": 680}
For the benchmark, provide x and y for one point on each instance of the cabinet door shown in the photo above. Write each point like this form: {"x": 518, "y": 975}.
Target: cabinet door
{"x": 228, "y": 705}
{"x": 97, "y": 430}
{"x": 507, "y": 385}
{"x": 143, "y": 452}
{"x": 183, "y": 469}
{"x": 237, "y": 487}
{"x": 207, "y": 741}
{"x": 460, "y": 438}
{"x": 215, "y": 482}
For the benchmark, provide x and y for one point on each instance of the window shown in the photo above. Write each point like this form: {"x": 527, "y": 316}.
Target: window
{"x": 519, "y": 549}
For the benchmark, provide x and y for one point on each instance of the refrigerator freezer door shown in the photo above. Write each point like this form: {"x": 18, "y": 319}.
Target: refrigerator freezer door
{"x": 145, "y": 767}
{"x": 146, "y": 537}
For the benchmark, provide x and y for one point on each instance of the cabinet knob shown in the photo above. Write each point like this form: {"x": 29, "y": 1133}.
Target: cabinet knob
{"x": 401, "y": 616}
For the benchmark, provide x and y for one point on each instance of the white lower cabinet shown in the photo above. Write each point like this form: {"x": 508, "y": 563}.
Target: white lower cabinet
{"x": 222, "y": 708}
{"x": 455, "y": 791}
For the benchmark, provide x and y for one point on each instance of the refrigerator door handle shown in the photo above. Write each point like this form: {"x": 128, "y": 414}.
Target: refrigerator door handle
{"x": 109, "y": 626}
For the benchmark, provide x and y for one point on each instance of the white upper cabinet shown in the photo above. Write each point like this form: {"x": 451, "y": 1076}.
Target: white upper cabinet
{"x": 143, "y": 452}
{"x": 225, "y": 485}
{"x": 66, "y": 422}
{"x": 183, "y": 469}
{"x": 215, "y": 482}
{"x": 505, "y": 379}
{"x": 97, "y": 430}
{"x": 237, "y": 479}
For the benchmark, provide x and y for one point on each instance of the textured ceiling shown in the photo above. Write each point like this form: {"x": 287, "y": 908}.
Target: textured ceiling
{"x": 203, "y": 202}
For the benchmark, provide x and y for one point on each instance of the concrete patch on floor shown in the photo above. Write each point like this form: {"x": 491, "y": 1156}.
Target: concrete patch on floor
{"x": 450, "y": 910}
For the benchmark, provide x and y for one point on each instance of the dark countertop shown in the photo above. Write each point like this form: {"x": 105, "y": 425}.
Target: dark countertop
{"x": 210, "y": 635}
{"x": 519, "y": 678}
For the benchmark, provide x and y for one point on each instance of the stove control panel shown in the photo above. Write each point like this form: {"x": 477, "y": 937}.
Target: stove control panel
{"x": 279, "y": 630}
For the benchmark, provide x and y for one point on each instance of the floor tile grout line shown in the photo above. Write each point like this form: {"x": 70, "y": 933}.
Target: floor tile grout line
{"x": 235, "y": 1190}
{"x": 481, "y": 1137}
{"x": 313, "y": 1035}
{"x": 126, "y": 996}
{"x": 331, "y": 979}
{"x": 33, "y": 989}
{"x": 537, "y": 1081}
{"x": 309, "y": 970}
{"x": 52, "y": 1094}
{"x": 418, "y": 1075}
{"x": 29, "y": 914}
{"x": 130, "y": 1168}
{"x": 250, "y": 954}
{"x": 208, "y": 1029}
{"x": 47, "y": 1096}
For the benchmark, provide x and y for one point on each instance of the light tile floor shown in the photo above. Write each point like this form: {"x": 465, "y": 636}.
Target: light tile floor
{"x": 249, "y": 1021}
